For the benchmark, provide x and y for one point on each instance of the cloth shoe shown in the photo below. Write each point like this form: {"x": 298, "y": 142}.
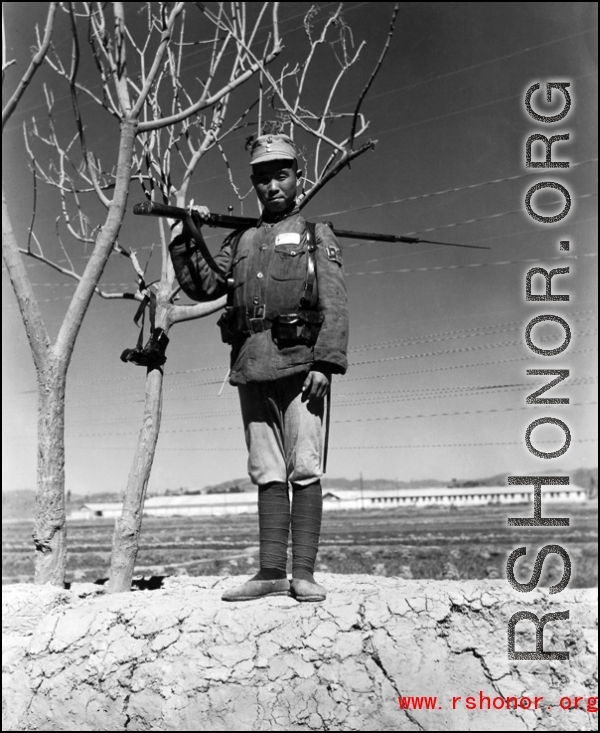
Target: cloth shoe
{"x": 253, "y": 589}
{"x": 304, "y": 590}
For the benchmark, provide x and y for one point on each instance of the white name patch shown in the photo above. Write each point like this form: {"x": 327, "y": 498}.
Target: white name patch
{"x": 288, "y": 238}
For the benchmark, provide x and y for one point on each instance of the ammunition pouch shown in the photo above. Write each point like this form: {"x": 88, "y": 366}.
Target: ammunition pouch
{"x": 289, "y": 329}
{"x": 234, "y": 324}
{"x": 302, "y": 327}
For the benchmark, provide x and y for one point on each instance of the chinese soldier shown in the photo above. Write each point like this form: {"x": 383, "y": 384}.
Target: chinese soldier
{"x": 287, "y": 323}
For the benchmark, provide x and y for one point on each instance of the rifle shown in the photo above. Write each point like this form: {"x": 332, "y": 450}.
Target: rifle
{"x": 226, "y": 221}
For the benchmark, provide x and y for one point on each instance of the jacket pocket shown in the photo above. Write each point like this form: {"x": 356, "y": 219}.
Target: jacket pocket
{"x": 289, "y": 262}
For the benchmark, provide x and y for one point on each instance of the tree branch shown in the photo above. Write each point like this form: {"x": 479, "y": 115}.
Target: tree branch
{"x": 374, "y": 73}
{"x": 39, "y": 340}
{"x": 260, "y": 65}
{"x": 313, "y": 47}
{"x": 93, "y": 28}
{"x": 210, "y": 139}
{"x": 156, "y": 65}
{"x": 75, "y": 55}
{"x": 119, "y": 64}
{"x": 181, "y": 313}
{"x": 119, "y": 296}
{"x": 51, "y": 264}
{"x": 33, "y": 210}
{"x": 72, "y": 274}
{"x": 37, "y": 59}
{"x": 104, "y": 243}
{"x": 347, "y": 157}
{"x": 200, "y": 105}
{"x": 206, "y": 101}
{"x": 330, "y": 100}
{"x": 93, "y": 175}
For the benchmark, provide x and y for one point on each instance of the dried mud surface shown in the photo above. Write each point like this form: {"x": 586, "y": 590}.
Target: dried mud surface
{"x": 178, "y": 658}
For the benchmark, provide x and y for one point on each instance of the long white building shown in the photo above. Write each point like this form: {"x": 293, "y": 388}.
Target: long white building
{"x": 444, "y": 496}
{"x": 338, "y": 499}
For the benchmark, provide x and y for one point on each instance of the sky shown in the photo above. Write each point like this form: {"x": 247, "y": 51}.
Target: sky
{"x": 437, "y": 383}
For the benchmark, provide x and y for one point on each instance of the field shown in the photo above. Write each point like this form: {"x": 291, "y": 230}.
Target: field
{"x": 434, "y": 542}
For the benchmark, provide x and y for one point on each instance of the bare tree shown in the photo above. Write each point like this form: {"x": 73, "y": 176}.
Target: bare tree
{"x": 165, "y": 133}
{"x": 132, "y": 75}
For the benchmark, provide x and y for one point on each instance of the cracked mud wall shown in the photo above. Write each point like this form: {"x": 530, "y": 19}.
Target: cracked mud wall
{"x": 180, "y": 659}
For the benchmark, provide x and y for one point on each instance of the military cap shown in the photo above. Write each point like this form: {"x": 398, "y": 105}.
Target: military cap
{"x": 272, "y": 147}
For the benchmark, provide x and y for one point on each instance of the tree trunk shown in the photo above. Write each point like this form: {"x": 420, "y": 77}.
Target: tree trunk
{"x": 52, "y": 362}
{"x": 128, "y": 527}
{"x": 50, "y": 531}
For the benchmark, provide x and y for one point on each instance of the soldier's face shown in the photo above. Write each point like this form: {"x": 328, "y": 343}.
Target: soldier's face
{"x": 276, "y": 183}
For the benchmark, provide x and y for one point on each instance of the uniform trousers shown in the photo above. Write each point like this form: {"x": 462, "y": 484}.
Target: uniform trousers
{"x": 283, "y": 431}
{"x": 284, "y": 439}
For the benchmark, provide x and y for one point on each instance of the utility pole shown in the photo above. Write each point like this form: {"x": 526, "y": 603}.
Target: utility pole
{"x": 362, "y": 493}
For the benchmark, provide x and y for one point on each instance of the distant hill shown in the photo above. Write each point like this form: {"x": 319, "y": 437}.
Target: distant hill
{"x": 587, "y": 478}
{"x": 382, "y": 484}
{"x": 378, "y": 484}
{"x": 328, "y": 483}
{"x": 231, "y": 486}
{"x": 18, "y": 504}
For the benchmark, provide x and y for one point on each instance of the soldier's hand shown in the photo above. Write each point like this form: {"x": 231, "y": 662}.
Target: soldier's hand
{"x": 316, "y": 385}
{"x": 202, "y": 212}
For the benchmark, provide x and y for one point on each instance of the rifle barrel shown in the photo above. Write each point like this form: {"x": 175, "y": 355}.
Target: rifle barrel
{"x": 226, "y": 221}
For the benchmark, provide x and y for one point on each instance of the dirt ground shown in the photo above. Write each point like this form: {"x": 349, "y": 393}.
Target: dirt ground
{"x": 378, "y": 654}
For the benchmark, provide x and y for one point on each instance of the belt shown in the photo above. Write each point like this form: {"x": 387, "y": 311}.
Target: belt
{"x": 256, "y": 319}
{"x": 257, "y": 325}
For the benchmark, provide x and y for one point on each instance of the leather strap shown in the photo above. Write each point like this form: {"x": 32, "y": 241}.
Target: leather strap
{"x": 311, "y": 266}
{"x": 201, "y": 244}
{"x": 235, "y": 240}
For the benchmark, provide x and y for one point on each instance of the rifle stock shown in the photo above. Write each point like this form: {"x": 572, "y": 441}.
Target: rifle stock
{"x": 150, "y": 208}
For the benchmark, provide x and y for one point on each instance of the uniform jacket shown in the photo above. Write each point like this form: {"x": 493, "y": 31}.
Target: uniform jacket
{"x": 268, "y": 267}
